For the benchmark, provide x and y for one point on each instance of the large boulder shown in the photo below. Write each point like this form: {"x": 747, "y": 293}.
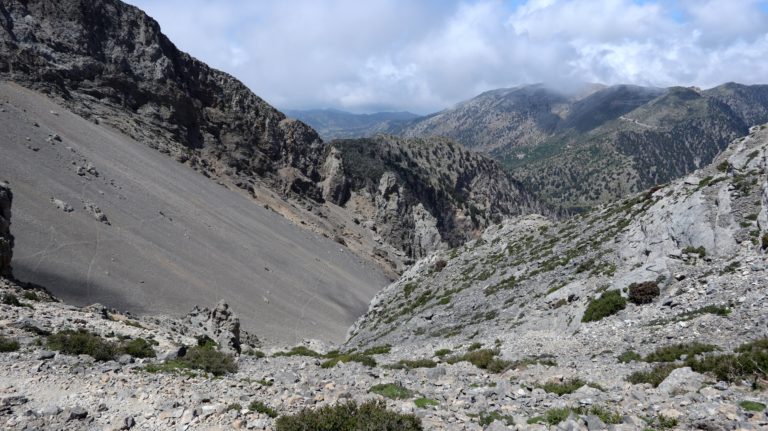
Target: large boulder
{"x": 220, "y": 324}
{"x": 6, "y": 239}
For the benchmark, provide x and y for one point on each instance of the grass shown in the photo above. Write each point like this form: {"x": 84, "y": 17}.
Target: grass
{"x": 139, "y": 348}
{"x": 676, "y": 351}
{"x": 378, "y": 350}
{"x": 666, "y": 422}
{"x": 370, "y": 416}
{"x": 485, "y": 359}
{"x": 259, "y": 407}
{"x": 752, "y": 406}
{"x": 299, "y": 351}
{"x": 701, "y": 251}
{"x": 629, "y": 356}
{"x": 350, "y": 357}
{"x": 562, "y": 388}
{"x": 391, "y": 390}
{"x": 234, "y": 406}
{"x": 30, "y": 296}
{"x": 487, "y": 418}
{"x": 609, "y": 303}
{"x": 749, "y": 361}
{"x": 423, "y": 403}
{"x": 556, "y": 415}
{"x": 442, "y": 352}
{"x": 7, "y": 345}
{"x": 82, "y": 342}
{"x": 205, "y": 358}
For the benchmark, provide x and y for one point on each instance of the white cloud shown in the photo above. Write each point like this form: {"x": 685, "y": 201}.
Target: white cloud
{"x": 423, "y": 56}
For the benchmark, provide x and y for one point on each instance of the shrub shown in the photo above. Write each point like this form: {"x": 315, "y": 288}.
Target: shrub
{"x": 391, "y": 390}
{"x": 415, "y": 363}
{"x": 370, "y": 416}
{"x": 474, "y": 346}
{"x": 752, "y": 406}
{"x": 378, "y": 350}
{"x": 489, "y": 418}
{"x": 352, "y": 357}
{"x": 259, "y": 407}
{"x": 564, "y": 387}
{"x": 7, "y": 345}
{"x": 234, "y": 406}
{"x": 30, "y": 295}
{"x": 675, "y": 351}
{"x": 439, "y": 265}
{"x": 749, "y": 361}
{"x": 424, "y": 402}
{"x": 701, "y": 251}
{"x": 485, "y": 359}
{"x": 557, "y": 415}
{"x": 299, "y": 351}
{"x": 666, "y": 422}
{"x": 210, "y": 360}
{"x": 442, "y": 352}
{"x": 82, "y": 342}
{"x": 11, "y": 299}
{"x": 255, "y": 353}
{"x": 629, "y": 356}
{"x": 610, "y": 302}
{"x": 139, "y": 348}
{"x": 764, "y": 241}
{"x": 643, "y": 293}
{"x": 655, "y": 376}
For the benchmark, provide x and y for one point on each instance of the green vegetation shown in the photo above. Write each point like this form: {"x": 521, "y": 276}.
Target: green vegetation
{"x": 30, "y": 295}
{"x": 82, "y": 342}
{"x": 701, "y": 251}
{"x": 7, "y": 345}
{"x": 234, "y": 407}
{"x": 610, "y": 302}
{"x": 255, "y": 353}
{"x": 210, "y": 360}
{"x": 351, "y": 357}
{"x": 564, "y": 387}
{"x": 643, "y": 293}
{"x": 752, "y": 406}
{"x": 259, "y": 407}
{"x": 655, "y": 376}
{"x": 675, "y": 351}
{"x": 487, "y": 418}
{"x": 371, "y": 416}
{"x": 391, "y": 390}
{"x": 556, "y": 415}
{"x": 474, "y": 346}
{"x": 423, "y": 403}
{"x": 410, "y": 364}
{"x": 629, "y": 356}
{"x": 665, "y": 422}
{"x": 139, "y": 348}
{"x": 442, "y": 352}
{"x": 506, "y": 284}
{"x": 485, "y": 359}
{"x": 12, "y": 300}
{"x": 299, "y": 351}
{"x": 409, "y": 288}
{"x": 749, "y": 361}
{"x": 378, "y": 350}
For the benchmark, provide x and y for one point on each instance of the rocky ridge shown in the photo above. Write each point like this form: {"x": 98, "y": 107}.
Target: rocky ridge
{"x": 6, "y": 239}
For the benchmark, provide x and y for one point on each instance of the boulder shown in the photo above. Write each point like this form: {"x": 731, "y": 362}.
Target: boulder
{"x": 6, "y": 239}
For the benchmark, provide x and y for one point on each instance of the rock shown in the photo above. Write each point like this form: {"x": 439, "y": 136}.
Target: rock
{"x": 128, "y": 423}
{"x": 682, "y": 380}
{"x": 50, "y": 410}
{"x": 77, "y": 413}
{"x": 6, "y": 239}
{"x": 67, "y": 208}
{"x": 96, "y": 212}
{"x": 125, "y": 359}
{"x": 221, "y": 324}
{"x": 594, "y": 423}
{"x": 45, "y": 354}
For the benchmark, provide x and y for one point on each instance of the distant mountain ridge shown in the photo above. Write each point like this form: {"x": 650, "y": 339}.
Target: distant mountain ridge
{"x": 334, "y": 123}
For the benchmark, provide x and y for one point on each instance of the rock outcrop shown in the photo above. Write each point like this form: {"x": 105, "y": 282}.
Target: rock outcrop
{"x": 220, "y": 324}
{"x": 6, "y": 239}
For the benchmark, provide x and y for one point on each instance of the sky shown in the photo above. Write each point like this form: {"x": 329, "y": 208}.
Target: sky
{"x": 425, "y": 55}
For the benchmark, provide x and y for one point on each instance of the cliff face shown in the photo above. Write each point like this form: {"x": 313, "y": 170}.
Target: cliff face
{"x": 109, "y": 62}
{"x": 6, "y": 239}
{"x": 420, "y": 195}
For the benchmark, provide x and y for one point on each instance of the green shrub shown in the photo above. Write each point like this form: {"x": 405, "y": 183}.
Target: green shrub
{"x": 487, "y": 418}
{"x": 485, "y": 359}
{"x": 764, "y": 241}
{"x": 564, "y": 387}
{"x": 169, "y": 366}
{"x": 474, "y": 346}
{"x": 749, "y": 361}
{"x": 425, "y": 402}
{"x": 299, "y": 351}
{"x": 701, "y": 251}
{"x": 442, "y": 352}
{"x": 609, "y": 303}
{"x": 607, "y": 416}
{"x": 139, "y": 348}
{"x": 7, "y": 345}
{"x": 234, "y": 406}
{"x": 391, "y": 390}
{"x": 666, "y": 422}
{"x": 30, "y": 295}
{"x": 405, "y": 364}
{"x": 556, "y": 415}
{"x": 12, "y": 300}
{"x": 675, "y": 351}
{"x": 655, "y": 376}
{"x": 370, "y": 416}
{"x": 629, "y": 356}
{"x": 259, "y": 407}
{"x": 752, "y": 406}
{"x": 210, "y": 360}
{"x": 352, "y": 357}
{"x": 255, "y": 353}
{"x": 378, "y": 350}
{"x": 643, "y": 293}
{"x": 82, "y": 342}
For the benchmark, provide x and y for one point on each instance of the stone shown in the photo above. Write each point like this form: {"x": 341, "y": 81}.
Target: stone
{"x": 77, "y": 413}
{"x": 682, "y": 380}
{"x": 45, "y": 354}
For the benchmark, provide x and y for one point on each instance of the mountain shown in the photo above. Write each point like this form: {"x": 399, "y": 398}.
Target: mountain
{"x": 334, "y": 124}
{"x": 577, "y": 150}
{"x": 648, "y": 312}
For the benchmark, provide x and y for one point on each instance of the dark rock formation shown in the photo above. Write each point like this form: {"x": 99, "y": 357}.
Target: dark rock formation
{"x": 220, "y": 324}
{"x": 6, "y": 239}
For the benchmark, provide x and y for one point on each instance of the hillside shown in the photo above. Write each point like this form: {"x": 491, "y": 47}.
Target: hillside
{"x": 336, "y": 124}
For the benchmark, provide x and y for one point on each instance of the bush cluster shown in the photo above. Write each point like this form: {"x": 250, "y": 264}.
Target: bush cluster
{"x": 485, "y": 359}
{"x": 609, "y": 303}
{"x": 82, "y": 342}
{"x": 370, "y": 416}
{"x": 643, "y": 293}
{"x": 7, "y": 345}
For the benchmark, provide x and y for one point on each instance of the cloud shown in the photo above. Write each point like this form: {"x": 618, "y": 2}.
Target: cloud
{"x": 424, "y": 56}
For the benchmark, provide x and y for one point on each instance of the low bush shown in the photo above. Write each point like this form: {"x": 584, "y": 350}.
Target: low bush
{"x": 139, "y": 348}
{"x": 351, "y": 357}
{"x": 701, "y": 251}
{"x": 654, "y": 376}
{"x": 82, "y": 342}
{"x": 391, "y": 390}
{"x": 378, "y": 350}
{"x": 370, "y": 416}
{"x": 259, "y": 407}
{"x": 643, "y": 293}
{"x": 564, "y": 387}
{"x": 423, "y": 403}
{"x": 487, "y": 418}
{"x": 299, "y": 351}
{"x": 485, "y": 359}
{"x": 629, "y": 356}
{"x": 7, "y": 345}
{"x": 11, "y": 299}
{"x": 415, "y": 363}
{"x": 442, "y": 352}
{"x": 210, "y": 360}
{"x": 749, "y": 361}
{"x": 676, "y": 351}
{"x": 752, "y": 406}
{"x": 609, "y": 303}
{"x": 30, "y": 295}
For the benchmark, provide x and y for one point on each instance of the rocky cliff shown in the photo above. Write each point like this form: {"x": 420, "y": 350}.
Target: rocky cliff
{"x": 6, "y": 239}
{"x": 419, "y": 195}
{"x": 109, "y": 62}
